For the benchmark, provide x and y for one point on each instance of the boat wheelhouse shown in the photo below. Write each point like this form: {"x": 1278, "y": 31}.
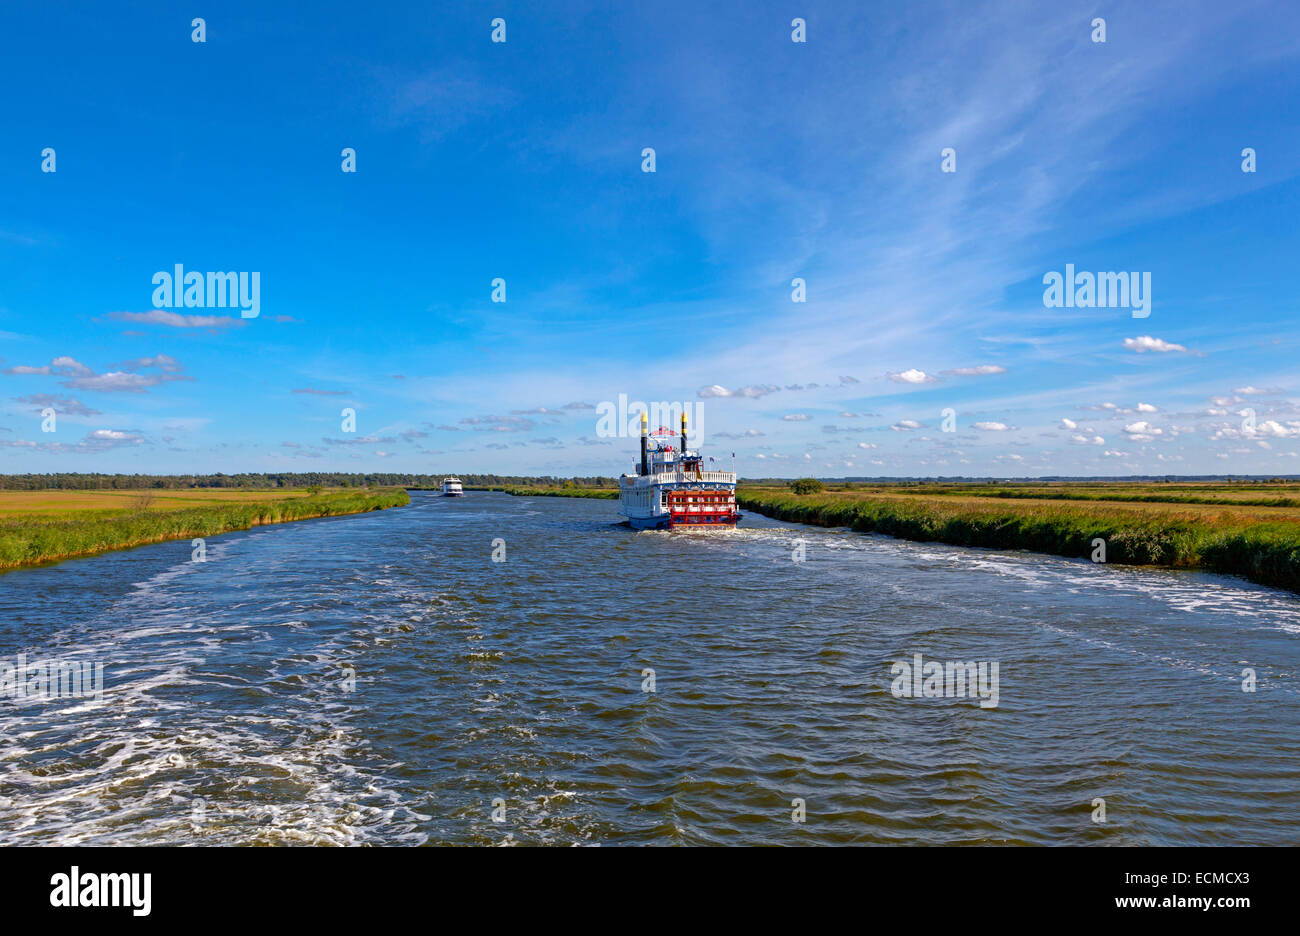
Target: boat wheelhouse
{"x": 451, "y": 487}
{"x": 671, "y": 488}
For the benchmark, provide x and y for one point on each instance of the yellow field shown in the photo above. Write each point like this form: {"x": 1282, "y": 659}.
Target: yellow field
{"x": 43, "y": 526}
{"x": 52, "y": 505}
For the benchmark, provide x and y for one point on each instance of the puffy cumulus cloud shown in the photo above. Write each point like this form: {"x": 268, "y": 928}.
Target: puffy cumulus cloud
{"x": 906, "y": 425}
{"x": 979, "y": 371}
{"x": 1079, "y": 439}
{"x": 1256, "y": 391}
{"x": 992, "y": 427}
{"x": 911, "y": 376}
{"x": 1115, "y": 409}
{"x": 1275, "y": 429}
{"x": 795, "y": 417}
{"x": 180, "y": 320}
{"x": 498, "y": 423}
{"x": 1268, "y": 428}
{"x": 98, "y": 440}
{"x": 749, "y": 393}
{"x": 121, "y": 382}
{"x": 1145, "y": 343}
{"x": 60, "y": 404}
{"x": 361, "y": 440}
{"x": 1142, "y": 431}
{"x": 1068, "y": 423}
{"x": 132, "y": 378}
{"x": 114, "y": 437}
{"x": 747, "y": 434}
{"x": 162, "y": 362}
{"x": 61, "y": 366}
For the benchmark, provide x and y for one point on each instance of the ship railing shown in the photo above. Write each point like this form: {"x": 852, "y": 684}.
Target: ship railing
{"x": 664, "y": 477}
{"x": 723, "y": 476}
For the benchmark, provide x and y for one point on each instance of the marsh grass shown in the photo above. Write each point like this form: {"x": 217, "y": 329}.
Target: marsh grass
{"x": 1228, "y": 536}
{"x": 529, "y": 491}
{"x": 33, "y": 537}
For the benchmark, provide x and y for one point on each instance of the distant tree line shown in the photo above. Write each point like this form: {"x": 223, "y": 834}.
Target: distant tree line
{"x": 76, "y": 481}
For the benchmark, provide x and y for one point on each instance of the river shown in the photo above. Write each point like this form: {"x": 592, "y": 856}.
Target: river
{"x": 380, "y": 679}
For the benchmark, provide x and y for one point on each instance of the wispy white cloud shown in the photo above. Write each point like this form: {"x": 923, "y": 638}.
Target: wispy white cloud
{"x": 1146, "y": 343}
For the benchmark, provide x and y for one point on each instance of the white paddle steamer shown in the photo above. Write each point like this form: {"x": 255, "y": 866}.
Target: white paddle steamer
{"x": 672, "y": 489}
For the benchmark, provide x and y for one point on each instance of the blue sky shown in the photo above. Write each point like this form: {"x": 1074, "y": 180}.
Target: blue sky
{"x": 774, "y": 160}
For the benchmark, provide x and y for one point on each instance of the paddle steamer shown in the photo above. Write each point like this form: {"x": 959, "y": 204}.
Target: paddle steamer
{"x": 672, "y": 489}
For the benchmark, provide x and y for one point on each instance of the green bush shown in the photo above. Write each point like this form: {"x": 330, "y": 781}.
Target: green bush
{"x": 807, "y": 486}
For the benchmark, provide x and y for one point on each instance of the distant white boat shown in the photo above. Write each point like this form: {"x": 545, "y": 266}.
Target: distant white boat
{"x": 451, "y": 487}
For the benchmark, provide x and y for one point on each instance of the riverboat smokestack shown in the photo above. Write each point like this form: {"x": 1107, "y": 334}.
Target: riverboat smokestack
{"x": 683, "y": 432}
{"x": 645, "y": 442}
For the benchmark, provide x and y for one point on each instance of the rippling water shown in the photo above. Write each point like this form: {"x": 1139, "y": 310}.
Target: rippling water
{"x": 228, "y": 714}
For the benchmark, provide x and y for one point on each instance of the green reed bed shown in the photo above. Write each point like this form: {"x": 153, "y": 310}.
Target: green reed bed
{"x": 1083, "y": 493}
{"x": 525, "y": 491}
{"x": 1254, "y": 545}
{"x": 31, "y": 540}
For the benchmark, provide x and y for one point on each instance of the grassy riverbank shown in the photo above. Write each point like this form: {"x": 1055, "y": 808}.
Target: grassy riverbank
{"x": 519, "y": 490}
{"x": 44, "y": 526}
{"x": 1254, "y": 533}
